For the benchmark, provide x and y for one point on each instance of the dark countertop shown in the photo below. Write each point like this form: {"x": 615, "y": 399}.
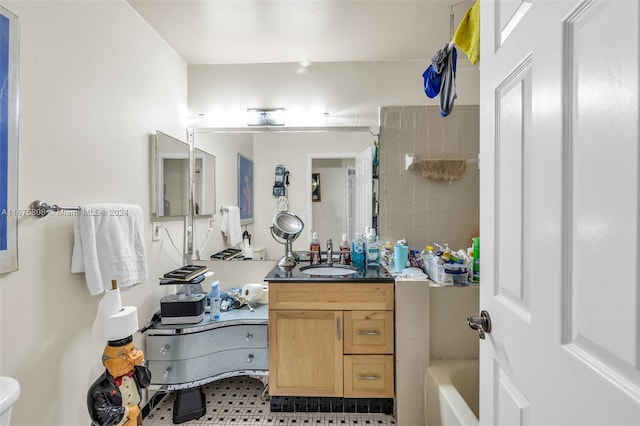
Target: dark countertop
{"x": 370, "y": 274}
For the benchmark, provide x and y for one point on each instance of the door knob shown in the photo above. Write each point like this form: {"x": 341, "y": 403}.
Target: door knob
{"x": 481, "y": 323}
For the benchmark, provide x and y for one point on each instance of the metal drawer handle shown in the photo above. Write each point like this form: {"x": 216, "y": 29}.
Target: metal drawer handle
{"x": 249, "y": 337}
{"x": 166, "y": 372}
{"x": 164, "y": 349}
{"x": 369, "y": 333}
{"x": 250, "y": 358}
{"x": 374, "y": 377}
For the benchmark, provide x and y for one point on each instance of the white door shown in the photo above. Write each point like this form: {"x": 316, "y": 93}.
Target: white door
{"x": 363, "y": 205}
{"x": 351, "y": 183}
{"x": 559, "y": 212}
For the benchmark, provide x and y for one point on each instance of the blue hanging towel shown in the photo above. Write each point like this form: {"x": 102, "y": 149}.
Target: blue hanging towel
{"x": 432, "y": 81}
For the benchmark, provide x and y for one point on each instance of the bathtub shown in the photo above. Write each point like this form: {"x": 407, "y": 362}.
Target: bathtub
{"x": 452, "y": 393}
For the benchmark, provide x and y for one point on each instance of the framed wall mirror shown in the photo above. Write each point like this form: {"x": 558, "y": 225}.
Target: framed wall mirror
{"x": 9, "y": 111}
{"x": 171, "y": 178}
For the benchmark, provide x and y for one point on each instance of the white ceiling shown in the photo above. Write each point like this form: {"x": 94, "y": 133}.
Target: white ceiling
{"x": 270, "y": 31}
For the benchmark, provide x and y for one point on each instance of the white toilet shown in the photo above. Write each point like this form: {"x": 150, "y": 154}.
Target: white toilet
{"x": 9, "y": 393}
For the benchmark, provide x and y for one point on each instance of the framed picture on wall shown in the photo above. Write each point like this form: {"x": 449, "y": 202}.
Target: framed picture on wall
{"x": 9, "y": 32}
{"x": 245, "y": 189}
{"x": 315, "y": 187}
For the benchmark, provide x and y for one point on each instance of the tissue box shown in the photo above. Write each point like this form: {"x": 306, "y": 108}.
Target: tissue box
{"x": 182, "y": 309}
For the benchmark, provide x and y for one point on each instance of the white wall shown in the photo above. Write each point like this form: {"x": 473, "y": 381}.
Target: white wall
{"x": 293, "y": 150}
{"x": 95, "y": 81}
{"x": 351, "y": 92}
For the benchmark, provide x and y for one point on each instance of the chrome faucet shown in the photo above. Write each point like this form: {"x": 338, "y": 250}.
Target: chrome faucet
{"x": 329, "y": 252}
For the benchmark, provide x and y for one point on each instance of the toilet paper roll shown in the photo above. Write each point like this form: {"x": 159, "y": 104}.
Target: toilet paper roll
{"x": 252, "y": 292}
{"x": 121, "y": 324}
{"x": 264, "y": 300}
{"x": 247, "y": 252}
{"x": 110, "y": 302}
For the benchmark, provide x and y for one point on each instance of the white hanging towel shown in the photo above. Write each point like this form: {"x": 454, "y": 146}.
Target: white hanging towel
{"x": 230, "y": 225}
{"x": 108, "y": 245}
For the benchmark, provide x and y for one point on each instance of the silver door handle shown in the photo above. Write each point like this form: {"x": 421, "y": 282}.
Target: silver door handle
{"x": 338, "y": 328}
{"x": 481, "y": 323}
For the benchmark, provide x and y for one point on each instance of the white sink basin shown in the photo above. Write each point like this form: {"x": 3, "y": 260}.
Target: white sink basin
{"x": 328, "y": 270}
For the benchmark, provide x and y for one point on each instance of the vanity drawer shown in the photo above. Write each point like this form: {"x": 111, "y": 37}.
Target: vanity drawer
{"x": 368, "y": 332}
{"x": 186, "y": 346}
{"x": 194, "y": 369}
{"x": 331, "y": 296}
{"x": 368, "y": 376}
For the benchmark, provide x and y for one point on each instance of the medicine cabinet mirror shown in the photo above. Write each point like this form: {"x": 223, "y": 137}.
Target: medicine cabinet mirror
{"x": 171, "y": 178}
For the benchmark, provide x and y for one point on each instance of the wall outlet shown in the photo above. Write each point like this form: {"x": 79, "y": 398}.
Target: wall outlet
{"x": 156, "y": 231}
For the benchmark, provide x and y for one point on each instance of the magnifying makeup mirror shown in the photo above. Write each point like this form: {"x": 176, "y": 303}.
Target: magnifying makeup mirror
{"x": 288, "y": 227}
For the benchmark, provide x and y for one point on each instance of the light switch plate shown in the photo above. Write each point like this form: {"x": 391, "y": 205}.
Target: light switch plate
{"x": 156, "y": 231}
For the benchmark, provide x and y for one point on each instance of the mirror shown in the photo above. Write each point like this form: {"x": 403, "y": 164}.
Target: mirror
{"x": 171, "y": 178}
{"x": 295, "y": 150}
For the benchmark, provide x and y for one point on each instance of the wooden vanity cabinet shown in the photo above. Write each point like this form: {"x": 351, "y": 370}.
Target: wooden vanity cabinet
{"x": 331, "y": 339}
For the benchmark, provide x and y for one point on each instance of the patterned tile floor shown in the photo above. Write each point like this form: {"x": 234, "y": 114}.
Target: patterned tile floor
{"x": 238, "y": 401}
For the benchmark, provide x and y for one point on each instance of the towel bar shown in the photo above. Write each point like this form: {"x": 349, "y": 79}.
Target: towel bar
{"x": 40, "y": 208}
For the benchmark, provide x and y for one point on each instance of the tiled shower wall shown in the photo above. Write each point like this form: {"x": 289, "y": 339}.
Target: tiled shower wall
{"x": 414, "y": 207}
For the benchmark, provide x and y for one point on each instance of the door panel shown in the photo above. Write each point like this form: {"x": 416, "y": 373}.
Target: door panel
{"x": 364, "y": 183}
{"x": 560, "y": 197}
{"x": 305, "y": 353}
{"x": 593, "y": 225}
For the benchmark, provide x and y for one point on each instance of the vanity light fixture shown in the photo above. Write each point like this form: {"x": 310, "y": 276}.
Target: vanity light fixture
{"x": 265, "y": 117}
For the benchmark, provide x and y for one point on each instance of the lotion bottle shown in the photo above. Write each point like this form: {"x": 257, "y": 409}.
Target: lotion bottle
{"x": 314, "y": 250}
{"x": 214, "y": 300}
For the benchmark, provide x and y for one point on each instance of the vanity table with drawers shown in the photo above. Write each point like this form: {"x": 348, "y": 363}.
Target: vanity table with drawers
{"x": 183, "y": 357}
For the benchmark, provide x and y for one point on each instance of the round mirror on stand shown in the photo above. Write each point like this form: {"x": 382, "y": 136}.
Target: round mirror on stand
{"x": 288, "y": 227}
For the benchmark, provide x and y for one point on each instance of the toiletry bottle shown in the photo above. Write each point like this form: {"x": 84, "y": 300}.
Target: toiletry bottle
{"x": 314, "y": 250}
{"x": 373, "y": 248}
{"x": 446, "y": 254}
{"x": 357, "y": 251}
{"x": 214, "y": 300}
{"x": 345, "y": 251}
{"x": 476, "y": 260}
{"x": 400, "y": 255}
{"x": 388, "y": 254}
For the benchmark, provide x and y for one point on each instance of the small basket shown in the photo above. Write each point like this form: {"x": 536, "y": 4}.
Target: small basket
{"x": 448, "y": 274}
